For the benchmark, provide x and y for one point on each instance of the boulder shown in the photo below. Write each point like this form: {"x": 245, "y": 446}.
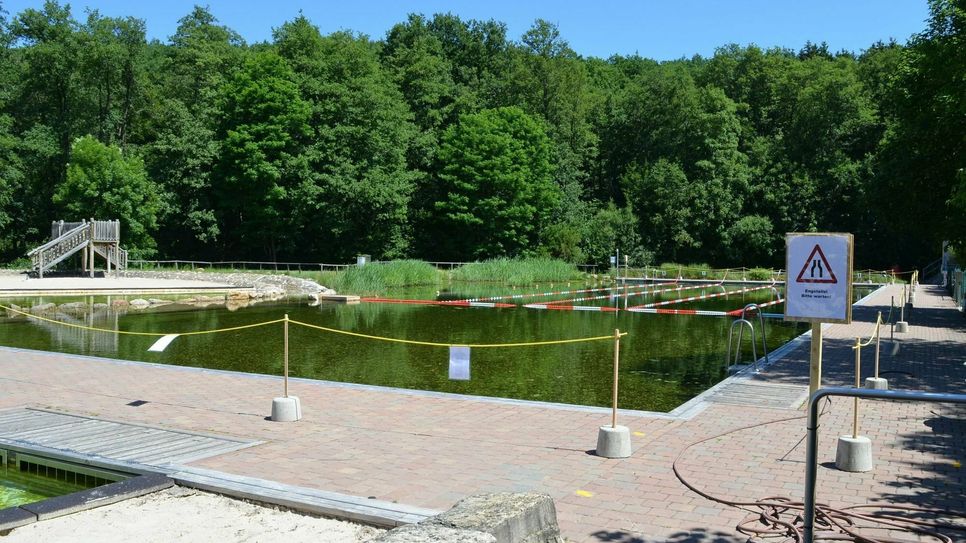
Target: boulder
{"x": 429, "y": 533}
{"x": 120, "y": 303}
{"x": 158, "y": 301}
{"x": 238, "y": 295}
{"x": 74, "y": 307}
{"x": 42, "y": 309}
{"x": 139, "y": 303}
{"x": 510, "y": 517}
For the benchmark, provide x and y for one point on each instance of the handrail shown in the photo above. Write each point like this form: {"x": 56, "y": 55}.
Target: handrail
{"x": 811, "y": 448}
{"x": 54, "y": 242}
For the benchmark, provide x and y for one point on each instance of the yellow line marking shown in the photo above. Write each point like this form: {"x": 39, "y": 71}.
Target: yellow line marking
{"x": 584, "y": 493}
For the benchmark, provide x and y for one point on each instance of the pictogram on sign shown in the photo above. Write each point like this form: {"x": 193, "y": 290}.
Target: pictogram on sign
{"x": 817, "y": 269}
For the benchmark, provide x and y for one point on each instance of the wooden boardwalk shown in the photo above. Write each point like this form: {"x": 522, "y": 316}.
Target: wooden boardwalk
{"x": 114, "y": 441}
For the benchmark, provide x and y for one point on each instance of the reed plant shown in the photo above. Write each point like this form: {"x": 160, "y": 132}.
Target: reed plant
{"x": 378, "y": 277}
{"x": 517, "y": 271}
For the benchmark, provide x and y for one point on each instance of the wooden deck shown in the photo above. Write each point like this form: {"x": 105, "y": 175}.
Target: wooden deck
{"x": 115, "y": 441}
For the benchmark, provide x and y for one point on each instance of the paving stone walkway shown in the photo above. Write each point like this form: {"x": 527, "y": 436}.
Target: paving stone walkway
{"x": 431, "y": 450}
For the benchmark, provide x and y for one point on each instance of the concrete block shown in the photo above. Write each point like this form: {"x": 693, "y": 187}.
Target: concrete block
{"x": 877, "y": 383}
{"x": 15, "y": 517}
{"x": 614, "y": 442}
{"x": 509, "y": 517}
{"x": 286, "y": 409}
{"x": 433, "y": 533}
{"x": 853, "y": 454}
{"x": 902, "y": 327}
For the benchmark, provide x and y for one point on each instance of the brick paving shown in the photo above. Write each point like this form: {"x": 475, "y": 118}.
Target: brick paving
{"x": 431, "y": 450}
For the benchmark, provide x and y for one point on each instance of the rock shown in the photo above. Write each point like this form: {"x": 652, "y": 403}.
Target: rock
{"x": 528, "y": 517}
{"x": 234, "y": 305}
{"x": 139, "y": 303}
{"x": 99, "y": 306}
{"x": 120, "y": 303}
{"x": 74, "y": 307}
{"x": 429, "y": 533}
{"x": 43, "y": 308}
{"x": 158, "y": 301}
{"x": 238, "y": 295}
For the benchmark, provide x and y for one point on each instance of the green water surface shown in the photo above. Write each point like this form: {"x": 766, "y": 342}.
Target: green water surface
{"x": 665, "y": 359}
{"x": 19, "y": 487}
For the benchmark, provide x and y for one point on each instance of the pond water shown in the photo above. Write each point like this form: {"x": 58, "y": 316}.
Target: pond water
{"x": 665, "y": 359}
{"x": 21, "y": 487}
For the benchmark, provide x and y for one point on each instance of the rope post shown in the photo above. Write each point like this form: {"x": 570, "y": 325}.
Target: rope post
{"x": 855, "y": 405}
{"x": 614, "y": 441}
{"x": 617, "y": 351}
{"x": 853, "y": 452}
{"x": 878, "y": 337}
{"x": 286, "y": 408}
{"x": 285, "y": 363}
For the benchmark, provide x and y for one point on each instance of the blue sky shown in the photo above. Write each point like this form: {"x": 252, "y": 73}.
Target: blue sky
{"x": 662, "y": 30}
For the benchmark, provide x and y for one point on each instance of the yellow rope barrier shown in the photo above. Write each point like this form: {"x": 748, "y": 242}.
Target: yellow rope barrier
{"x": 436, "y": 344}
{"x": 875, "y": 333}
{"x": 307, "y": 325}
{"x": 129, "y": 333}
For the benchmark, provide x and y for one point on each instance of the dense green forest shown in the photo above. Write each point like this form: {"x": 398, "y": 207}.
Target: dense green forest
{"x": 447, "y": 139}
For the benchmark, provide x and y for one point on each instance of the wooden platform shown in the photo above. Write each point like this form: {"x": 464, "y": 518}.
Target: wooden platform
{"x": 116, "y": 441}
{"x": 342, "y": 298}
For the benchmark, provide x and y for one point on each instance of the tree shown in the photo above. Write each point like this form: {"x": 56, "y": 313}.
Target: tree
{"x": 924, "y": 150}
{"x": 102, "y": 182}
{"x": 188, "y": 76}
{"x": 355, "y": 189}
{"x": 496, "y": 187}
{"x": 263, "y": 127}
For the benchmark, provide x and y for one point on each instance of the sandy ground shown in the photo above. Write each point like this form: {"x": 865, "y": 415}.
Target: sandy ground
{"x": 9, "y": 281}
{"x": 182, "y": 514}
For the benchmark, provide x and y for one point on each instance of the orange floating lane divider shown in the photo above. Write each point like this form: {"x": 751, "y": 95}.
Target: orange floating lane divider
{"x": 702, "y": 297}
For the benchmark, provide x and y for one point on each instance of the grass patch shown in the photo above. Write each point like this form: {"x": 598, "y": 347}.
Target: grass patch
{"x": 379, "y": 277}
{"x": 517, "y": 272}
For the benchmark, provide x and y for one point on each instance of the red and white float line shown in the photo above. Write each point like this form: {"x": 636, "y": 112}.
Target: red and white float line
{"x": 735, "y": 313}
{"x": 642, "y": 293}
{"x": 560, "y": 293}
{"x": 701, "y": 297}
{"x": 572, "y": 307}
{"x": 456, "y": 303}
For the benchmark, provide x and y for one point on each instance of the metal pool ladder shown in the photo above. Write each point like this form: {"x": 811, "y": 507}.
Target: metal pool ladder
{"x": 741, "y": 323}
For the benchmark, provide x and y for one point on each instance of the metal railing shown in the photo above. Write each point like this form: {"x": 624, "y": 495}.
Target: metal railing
{"x": 811, "y": 449}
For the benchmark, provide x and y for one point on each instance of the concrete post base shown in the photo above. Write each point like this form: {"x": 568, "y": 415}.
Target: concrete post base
{"x": 902, "y": 327}
{"x": 877, "y": 383}
{"x": 854, "y": 454}
{"x": 614, "y": 442}
{"x": 286, "y": 409}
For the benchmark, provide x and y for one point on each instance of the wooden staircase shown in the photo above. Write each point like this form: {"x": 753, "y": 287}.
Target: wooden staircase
{"x": 69, "y": 238}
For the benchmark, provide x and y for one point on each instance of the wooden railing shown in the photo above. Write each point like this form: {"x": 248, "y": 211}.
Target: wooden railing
{"x": 104, "y": 231}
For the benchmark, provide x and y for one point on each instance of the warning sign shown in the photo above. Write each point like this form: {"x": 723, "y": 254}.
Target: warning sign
{"x": 816, "y": 268}
{"x": 818, "y": 287}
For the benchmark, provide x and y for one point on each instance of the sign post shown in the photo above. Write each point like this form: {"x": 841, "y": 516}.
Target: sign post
{"x": 818, "y": 287}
